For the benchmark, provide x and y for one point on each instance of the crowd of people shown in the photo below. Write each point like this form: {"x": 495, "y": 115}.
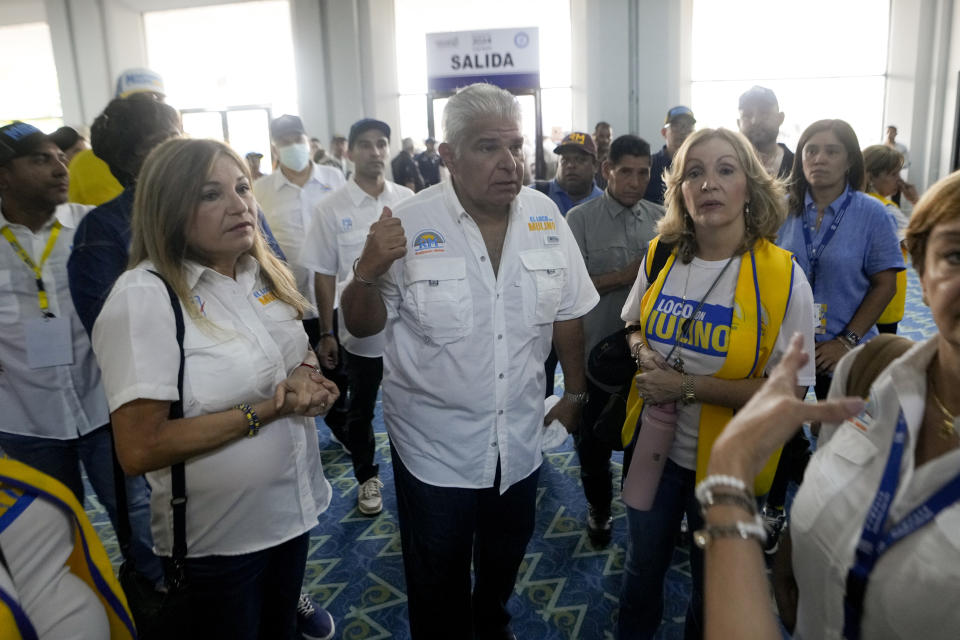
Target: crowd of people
{"x": 175, "y": 323}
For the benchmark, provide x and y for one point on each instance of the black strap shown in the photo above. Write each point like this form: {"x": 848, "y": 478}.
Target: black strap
{"x": 178, "y": 499}
{"x": 660, "y": 255}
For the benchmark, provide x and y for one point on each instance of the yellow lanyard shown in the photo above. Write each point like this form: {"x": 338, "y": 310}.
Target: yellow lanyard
{"x": 37, "y": 269}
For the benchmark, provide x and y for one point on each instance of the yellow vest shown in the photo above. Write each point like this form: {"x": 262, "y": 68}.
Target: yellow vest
{"x": 90, "y": 180}
{"x": 759, "y": 305}
{"x": 894, "y": 310}
{"x": 89, "y": 560}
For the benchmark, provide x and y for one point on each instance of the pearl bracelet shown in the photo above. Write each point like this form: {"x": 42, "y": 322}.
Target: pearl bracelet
{"x": 744, "y": 530}
{"x": 704, "y": 490}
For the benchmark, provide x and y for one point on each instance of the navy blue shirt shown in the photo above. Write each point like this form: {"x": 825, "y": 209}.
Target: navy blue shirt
{"x": 656, "y": 187}
{"x": 864, "y": 244}
{"x": 101, "y": 249}
{"x": 561, "y": 198}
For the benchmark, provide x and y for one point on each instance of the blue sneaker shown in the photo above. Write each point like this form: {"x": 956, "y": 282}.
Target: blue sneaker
{"x": 313, "y": 622}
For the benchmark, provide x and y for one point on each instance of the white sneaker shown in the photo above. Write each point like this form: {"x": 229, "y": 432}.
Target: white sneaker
{"x": 369, "y": 500}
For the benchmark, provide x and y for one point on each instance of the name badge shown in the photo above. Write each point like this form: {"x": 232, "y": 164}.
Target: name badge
{"x": 551, "y": 240}
{"x": 820, "y": 318}
{"x": 48, "y": 342}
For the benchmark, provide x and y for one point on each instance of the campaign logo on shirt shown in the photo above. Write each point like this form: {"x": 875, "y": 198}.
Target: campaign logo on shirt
{"x": 201, "y": 305}
{"x": 428, "y": 241}
{"x": 346, "y": 224}
{"x": 264, "y": 296}
{"x": 709, "y": 331}
{"x": 541, "y": 223}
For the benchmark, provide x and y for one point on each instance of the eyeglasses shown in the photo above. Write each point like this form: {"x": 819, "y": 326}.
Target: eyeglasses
{"x": 575, "y": 159}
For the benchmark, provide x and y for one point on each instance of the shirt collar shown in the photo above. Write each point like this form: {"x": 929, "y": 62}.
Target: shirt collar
{"x": 46, "y": 225}
{"x": 282, "y": 181}
{"x": 456, "y": 210}
{"x": 833, "y": 207}
{"x": 358, "y": 195}
{"x": 247, "y": 270}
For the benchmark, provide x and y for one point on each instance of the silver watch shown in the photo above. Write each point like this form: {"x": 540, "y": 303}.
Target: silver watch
{"x": 579, "y": 399}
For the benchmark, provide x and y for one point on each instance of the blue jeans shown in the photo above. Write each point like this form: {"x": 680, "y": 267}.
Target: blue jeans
{"x": 649, "y": 552}
{"x": 61, "y": 459}
{"x": 252, "y": 596}
{"x": 442, "y": 529}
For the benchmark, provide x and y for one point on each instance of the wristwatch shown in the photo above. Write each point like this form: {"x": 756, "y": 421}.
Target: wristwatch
{"x": 852, "y": 338}
{"x": 578, "y": 399}
{"x": 687, "y": 394}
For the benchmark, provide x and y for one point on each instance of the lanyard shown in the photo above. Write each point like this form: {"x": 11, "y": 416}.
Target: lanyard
{"x": 20, "y": 619}
{"x": 874, "y": 542}
{"x": 37, "y": 269}
{"x": 814, "y": 252}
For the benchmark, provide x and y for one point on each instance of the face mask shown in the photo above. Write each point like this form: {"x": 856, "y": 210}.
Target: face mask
{"x": 295, "y": 156}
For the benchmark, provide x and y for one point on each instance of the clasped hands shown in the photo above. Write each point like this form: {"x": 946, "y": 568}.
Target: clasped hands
{"x": 305, "y": 392}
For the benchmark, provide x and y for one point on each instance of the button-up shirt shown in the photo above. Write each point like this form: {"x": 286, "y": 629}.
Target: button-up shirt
{"x": 610, "y": 237}
{"x": 336, "y": 238}
{"x": 60, "y": 402}
{"x": 252, "y": 493}
{"x": 563, "y": 200}
{"x": 864, "y": 244}
{"x": 659, "y": 162}
{"x": 463, "y": 360}
{"x": 289, "y": 210}
{"x": 913, "y": 590}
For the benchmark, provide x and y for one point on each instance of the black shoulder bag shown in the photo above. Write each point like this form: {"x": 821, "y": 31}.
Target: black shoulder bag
{"x": 158, "y": 615}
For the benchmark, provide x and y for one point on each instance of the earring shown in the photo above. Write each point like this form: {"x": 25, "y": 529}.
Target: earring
{"x": 746, "y": 208}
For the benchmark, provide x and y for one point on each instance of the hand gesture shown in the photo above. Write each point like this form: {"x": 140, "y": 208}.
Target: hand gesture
{"x": 386, "y": 242}
{"x": 305, "y": 392}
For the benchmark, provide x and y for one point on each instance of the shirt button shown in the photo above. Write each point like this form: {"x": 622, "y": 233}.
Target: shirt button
{"x": 483, "y": 258}
{"x": 499, "y": 336}
{"x": 493, "y": 444}
{"x": 500, "y": 412}
{"x": 501, "y": 376}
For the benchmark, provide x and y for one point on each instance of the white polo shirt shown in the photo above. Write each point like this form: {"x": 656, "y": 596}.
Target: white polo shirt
{"x": 463, "y": 374}
{"x": 252, "y": 493}
{"x": 63, "y": 401}
{"x": 336, "y": 238}
{"x": 289, "y": 209}
{"x": 915, "y": 586}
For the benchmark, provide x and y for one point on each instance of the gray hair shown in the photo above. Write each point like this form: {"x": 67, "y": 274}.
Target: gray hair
{"x": 475, "y": 102}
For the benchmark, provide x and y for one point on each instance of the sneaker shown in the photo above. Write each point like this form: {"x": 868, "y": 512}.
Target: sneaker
{"x": 599, "y": 526}
{"x": 774, "y": 521}
{"x": 369, "y": 499}
{"x": 313, "y": 622}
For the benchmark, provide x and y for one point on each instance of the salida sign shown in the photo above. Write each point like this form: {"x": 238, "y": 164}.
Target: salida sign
{"x": 509, "y": 58}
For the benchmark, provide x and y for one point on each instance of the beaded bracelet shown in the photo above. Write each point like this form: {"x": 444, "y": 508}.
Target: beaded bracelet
{"x": 740, "y": 529}
{"x": 705, "y": 489}
{"x": 736, "y": 499}
{"x": 316, "y": 369}
{"x": 253, "y": 420}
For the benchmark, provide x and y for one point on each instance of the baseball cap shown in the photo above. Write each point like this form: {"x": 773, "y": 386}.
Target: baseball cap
{"x": 253, "y": 154}
{"x": 65, "y": 137}
{"x": 19, "y": 139}
{"x": 430, "y": 140}
{"x": 759, "y": 95}
{"x": 287, "y": 125}
{"x": 678, "y": 112}
{"x": 139, "y": 80}
{"x": 361, "y": 126}
{"x": 577, "y": 140}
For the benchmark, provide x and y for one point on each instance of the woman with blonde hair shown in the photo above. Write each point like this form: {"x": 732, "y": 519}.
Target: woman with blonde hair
{"x": 707, "y": 327}
{"x": 232, "y": 416}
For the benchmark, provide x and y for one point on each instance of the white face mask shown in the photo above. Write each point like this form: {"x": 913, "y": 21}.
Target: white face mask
{"x": 295, "y": 156}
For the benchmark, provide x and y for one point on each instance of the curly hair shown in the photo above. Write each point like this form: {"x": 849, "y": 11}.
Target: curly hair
{"x": 765, "y": 195}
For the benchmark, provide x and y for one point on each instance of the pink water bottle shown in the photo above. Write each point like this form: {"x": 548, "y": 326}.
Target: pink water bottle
{"x": 657, "y": 425}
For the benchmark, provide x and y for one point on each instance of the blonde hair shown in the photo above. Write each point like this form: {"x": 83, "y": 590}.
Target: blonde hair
{"x": 167, "y": 195}
{"x": 765, "y": 194}
{"x": 938, "y": 205}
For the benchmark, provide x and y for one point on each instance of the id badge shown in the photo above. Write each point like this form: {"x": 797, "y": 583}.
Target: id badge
{"x": 48, "y": 342}
{"x": 820, "y": 321}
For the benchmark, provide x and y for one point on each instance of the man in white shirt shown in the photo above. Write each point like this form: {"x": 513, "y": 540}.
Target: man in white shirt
{"x": 334, "y": 241}
{"x": 54, "y": 411}
{"x": 289, "y": 197}
{"x": 468, "y": 305}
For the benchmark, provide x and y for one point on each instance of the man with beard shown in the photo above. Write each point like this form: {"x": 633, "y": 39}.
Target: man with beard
{"x": 677, "y": 126}
{"x": 760, "y": 120}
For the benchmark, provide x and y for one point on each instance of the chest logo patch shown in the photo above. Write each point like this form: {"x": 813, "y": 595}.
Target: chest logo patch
{"x": 201, "y": 305}
{"x": 541, "y": 223}
{"x": 428, "y": 241}
{"x": 346, "y": 224}
{"x": 264, "y": 296}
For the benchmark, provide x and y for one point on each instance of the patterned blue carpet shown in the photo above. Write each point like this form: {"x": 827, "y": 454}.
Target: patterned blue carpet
{"x": 566, "y": 589}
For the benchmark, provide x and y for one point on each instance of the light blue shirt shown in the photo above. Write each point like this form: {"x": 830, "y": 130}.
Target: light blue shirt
{"x": 864, "y": 244}
{"x": 563, "y": 200}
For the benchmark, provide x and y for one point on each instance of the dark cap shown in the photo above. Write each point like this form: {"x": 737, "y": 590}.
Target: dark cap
{"x": 430, "y": 140}
{"x": 20, "y": 139}
{"x": 65, "y": 137}
{"x": 362, "y": 126}
{"x": 678, "y": 112}
{"x": 287, "y": 125}
{"x": 579, "y": 141}
{"x": 253, "y": 154}
{"x": 759, "y": 95}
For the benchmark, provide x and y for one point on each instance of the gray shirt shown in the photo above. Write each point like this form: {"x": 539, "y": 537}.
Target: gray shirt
{"x": 610, "y": 237}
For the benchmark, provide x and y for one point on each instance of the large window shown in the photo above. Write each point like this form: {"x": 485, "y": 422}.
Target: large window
{"x": 219, "y": 61}
{"x": 416, "y": 18}
{"x": 823, "y": 59}
{"x": 28, "y": 76}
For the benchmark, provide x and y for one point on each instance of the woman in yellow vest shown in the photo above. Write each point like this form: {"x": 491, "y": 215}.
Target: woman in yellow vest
{"x": 710, "y": 323}
{"x": 882, "y": 165}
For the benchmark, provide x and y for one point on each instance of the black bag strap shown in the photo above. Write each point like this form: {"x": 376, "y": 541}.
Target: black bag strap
{"x": 660, "y": 254}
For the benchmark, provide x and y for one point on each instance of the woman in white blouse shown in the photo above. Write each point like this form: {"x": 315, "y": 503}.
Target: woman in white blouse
{"x": 251, "y": 387}
{"x": 875, "y": 525}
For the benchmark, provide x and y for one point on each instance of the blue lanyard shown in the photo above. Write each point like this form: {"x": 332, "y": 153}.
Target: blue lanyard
{"x": 814, "y": 252}
{"x": 20, "y": 619}
{"x": 874, "y": 542}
